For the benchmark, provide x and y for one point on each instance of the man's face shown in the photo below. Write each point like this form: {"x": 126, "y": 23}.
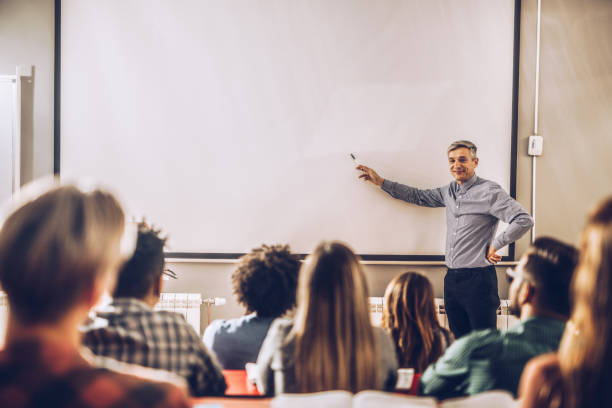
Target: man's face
{"x": 461, "y": 164}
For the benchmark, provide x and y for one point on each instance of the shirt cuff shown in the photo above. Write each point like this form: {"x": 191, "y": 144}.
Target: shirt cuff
{"x": 498, "y": 244}
{"x": 387, "y": 186}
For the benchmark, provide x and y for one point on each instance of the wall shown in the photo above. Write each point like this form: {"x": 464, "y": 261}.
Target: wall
{"x": 26, "y": 38}
{"x": 575, "y": 111}
{"x": 575, "y": 119}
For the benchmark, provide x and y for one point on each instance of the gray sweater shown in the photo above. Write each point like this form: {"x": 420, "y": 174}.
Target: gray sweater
{"x": 276, "y": 368}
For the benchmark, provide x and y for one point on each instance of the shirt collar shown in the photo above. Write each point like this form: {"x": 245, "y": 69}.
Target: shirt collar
{"x": 55, "y": 356}
{"x": 122, "y": 305}
{"x": 466, "y": 185}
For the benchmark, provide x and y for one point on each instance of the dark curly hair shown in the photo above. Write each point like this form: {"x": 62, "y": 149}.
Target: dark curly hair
{"x": 265, "y": 281}
{"x": 137, "y": 276}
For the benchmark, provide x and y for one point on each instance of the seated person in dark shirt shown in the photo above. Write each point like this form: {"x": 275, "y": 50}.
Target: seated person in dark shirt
{"x": 58, "y": 253}
{"x": 129, "y": 330}
{"x": 264, "y": 283}
{"x": 494, "y": 360}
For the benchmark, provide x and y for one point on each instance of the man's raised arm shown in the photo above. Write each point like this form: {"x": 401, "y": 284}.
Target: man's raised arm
{"x": 425, "y": 198}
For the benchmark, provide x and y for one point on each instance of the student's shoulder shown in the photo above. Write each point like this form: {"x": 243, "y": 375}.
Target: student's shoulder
{"x": 541, "y": 376}
{"x": 281, "y": 325}
{"x": 543, "y": 366}
{"x": 280, "y": 331}
{"x": 219, "y": 325}
{"x": 382, "y": 335}
{"x": 133, "y": 389}
{"x": 477, "y": 344}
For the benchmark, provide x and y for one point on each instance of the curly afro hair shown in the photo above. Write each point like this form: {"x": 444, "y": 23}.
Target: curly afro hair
{"x": 265, "y": 281}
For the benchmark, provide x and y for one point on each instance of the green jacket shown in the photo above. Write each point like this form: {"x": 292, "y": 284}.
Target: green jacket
{"x": 490, "y": 359}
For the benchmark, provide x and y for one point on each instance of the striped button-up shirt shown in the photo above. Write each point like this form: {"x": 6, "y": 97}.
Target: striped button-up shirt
{"x": 473, "y": 211}
{"x": 490, "y": 359}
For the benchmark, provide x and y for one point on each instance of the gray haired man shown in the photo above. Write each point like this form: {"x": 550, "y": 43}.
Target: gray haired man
{"x": 474, "y": 207}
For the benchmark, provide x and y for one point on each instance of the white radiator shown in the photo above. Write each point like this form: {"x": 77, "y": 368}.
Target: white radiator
{"x": 187, "y": 304}
{"x": 376, "y": 310}
{"x": 504, "y": 319}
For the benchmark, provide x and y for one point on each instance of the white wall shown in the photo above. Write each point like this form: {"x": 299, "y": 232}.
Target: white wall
{"x": 26, "y": 38}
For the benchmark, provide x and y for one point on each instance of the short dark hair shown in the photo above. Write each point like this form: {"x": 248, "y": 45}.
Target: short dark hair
{"x": 549, "y": 267}
{"x": 138, "y": 275}
{"x": 265, "y": 281}
{"x": 55, "y": 247}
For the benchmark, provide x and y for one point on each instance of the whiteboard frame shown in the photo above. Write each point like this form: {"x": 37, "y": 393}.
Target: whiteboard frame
{"x": 369, "y": 258}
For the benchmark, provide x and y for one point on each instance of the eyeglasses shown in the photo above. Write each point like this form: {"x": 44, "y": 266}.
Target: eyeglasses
{"x": 168, "y": 273}
{"x": 516, "y": 273}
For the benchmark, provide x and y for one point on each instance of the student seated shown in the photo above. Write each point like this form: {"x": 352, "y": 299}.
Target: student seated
{"x": 331, "y": 343}
{"x": 493, "y": 360}
{"x": 265, "y": 283}
{"x": 410, "y": 316}
{"x": 578, "y": 376}
{"x": 58, "y": 253}
{"x": 129, "y": 330}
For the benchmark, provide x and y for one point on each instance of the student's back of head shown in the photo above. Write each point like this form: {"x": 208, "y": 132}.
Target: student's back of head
{"x": 410, "y": 316}
{"x": 265, "y": 283}
{"x": 140, "y": 275}
{"x": 265, "y": 280}
{"x": 548, "y": 266}
{"x": 54, "y": 248}
{"x": 58, "y": 253}
{"x": 335, "y": 346}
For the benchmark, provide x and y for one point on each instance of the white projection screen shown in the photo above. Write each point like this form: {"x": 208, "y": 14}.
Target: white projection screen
{"x": 229, "y": 123}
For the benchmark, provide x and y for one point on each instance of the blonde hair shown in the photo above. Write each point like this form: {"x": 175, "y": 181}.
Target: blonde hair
{"x": 409, "y": 314}
{"x": 585, "y": 353}
{"x": 54, "y": 247}
{"x": 335, "y": 348}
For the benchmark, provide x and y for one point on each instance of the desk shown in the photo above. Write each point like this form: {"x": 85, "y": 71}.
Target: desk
{"x": 231, "y": 402}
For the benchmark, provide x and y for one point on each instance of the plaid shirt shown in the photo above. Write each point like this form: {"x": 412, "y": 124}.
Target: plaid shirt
{"x": 130, "y": 331}
{"x": 35, "y": 373}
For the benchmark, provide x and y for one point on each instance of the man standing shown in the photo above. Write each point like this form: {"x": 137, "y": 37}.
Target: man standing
{"x": 474, "y": 207}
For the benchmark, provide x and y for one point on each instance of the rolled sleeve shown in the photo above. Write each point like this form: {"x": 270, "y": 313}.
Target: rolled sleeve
{"x": 508, "y": 210}
{"x": 445, "y": 377}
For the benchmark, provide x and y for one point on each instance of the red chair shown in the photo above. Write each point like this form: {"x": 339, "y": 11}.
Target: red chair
{"x": 238, "y": 384}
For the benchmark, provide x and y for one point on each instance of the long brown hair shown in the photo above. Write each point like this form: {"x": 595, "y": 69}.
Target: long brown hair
{"x": 409, "y": 314}
{"x": 585, "y": 353}
{"x": 334, "y": 340}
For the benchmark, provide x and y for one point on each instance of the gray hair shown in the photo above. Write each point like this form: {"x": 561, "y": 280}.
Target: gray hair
{"x": 463, "y": 143}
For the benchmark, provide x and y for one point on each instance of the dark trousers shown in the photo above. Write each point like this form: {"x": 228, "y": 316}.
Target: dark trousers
{"x": 471, "y": 299}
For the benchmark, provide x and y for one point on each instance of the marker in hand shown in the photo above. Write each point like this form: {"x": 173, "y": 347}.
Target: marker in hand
{"x": 367, "y": 173}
